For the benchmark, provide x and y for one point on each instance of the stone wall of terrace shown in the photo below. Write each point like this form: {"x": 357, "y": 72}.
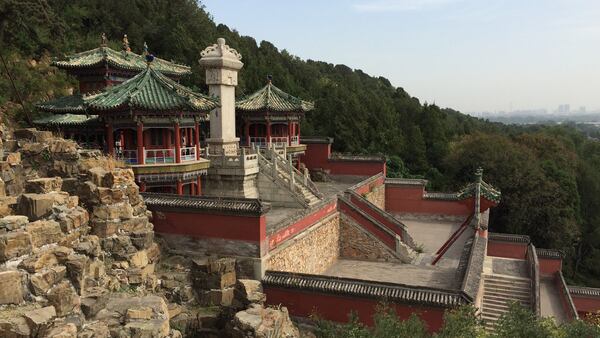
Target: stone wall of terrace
{"x": 312, "y": 251}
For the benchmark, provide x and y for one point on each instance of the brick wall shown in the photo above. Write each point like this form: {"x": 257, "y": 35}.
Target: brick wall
{"x": 311, "y": 252}
{"x": 376, "y": 196}
{"x": 356, "y": 243}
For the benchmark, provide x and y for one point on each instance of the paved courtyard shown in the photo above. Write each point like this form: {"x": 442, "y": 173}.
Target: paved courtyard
{"x": 429, "y": 276}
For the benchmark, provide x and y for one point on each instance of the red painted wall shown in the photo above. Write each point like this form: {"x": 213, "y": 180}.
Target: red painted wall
{"x": 376, "y": 215}
{"x": 507, "y": 249}
{"x": 245, "y": 228}
{"x": 550, "y": 266}
{"x": 317, "y": 155}
{"x": 368, "y": 186}
{"x": 388, "y": 239}
{"x": 290, "y": 231}
{"x": 409, "y": 199}
{"x": 336, "y": 307}
{"x": 585, "y": 305}
{"x": 358, "y": 168}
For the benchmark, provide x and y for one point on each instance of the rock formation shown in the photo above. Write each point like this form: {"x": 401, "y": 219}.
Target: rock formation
{"x": 78, "y": 256}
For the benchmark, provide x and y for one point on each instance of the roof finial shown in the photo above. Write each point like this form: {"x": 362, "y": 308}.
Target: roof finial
{"x": 126, "y": 43}
{"x": 103, "y": 40}
{"x": 479, "y": 174}
{"x": 269, "y": 78}
{"x": 145, "y": 48}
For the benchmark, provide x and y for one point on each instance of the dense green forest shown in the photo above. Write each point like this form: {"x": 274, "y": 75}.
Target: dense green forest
{"x": 549, "y": 176}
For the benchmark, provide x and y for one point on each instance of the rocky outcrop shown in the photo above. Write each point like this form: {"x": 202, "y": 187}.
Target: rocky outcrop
{"x": 78, "y": 257}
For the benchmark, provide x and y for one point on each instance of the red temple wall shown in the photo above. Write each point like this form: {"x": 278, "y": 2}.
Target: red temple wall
{"x": 388, "y": 239}
{"x": 336, "y": 307}
{"x": 409, "y": 199}
{"x": 317, "y": 155}
{"x": 369, "y": 186}
{"x": 507, "y": 249}
{"x": 550, "y": 266}
{"x": 585, "y": 305}
{"x": 358, "y": 168}
{"x": 376, "y": 215}
{"x": 290, "y": 231}
{"x": 245, "y": 228}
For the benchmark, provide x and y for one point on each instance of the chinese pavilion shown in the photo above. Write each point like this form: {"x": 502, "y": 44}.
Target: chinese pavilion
{"x": 95, "y": 70}
{"x": 152, "y": 124}
{"x": 271, "y": 117}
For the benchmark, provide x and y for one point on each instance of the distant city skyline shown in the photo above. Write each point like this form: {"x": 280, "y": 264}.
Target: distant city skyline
{"x": 473, "y": 56}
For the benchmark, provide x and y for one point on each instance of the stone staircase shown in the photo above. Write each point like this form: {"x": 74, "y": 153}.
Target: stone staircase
{"x": 283, "y": 172}
{"x": 498, "y": 292}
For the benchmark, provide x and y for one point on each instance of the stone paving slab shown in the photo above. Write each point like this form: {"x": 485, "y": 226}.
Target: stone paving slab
{"x": 550, "y": 302}
{"x": 408, "y": 274}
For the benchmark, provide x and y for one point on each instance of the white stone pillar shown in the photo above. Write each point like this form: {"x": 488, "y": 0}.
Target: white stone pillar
{"x": 222, "y": 64}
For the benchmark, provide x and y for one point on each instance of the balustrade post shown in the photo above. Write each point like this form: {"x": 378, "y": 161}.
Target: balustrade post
{"x": 305, "y": 176}
{"x": 291, "y": 168}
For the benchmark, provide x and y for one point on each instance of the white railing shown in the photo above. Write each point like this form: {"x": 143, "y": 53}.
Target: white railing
{"x": 295, "y": 140}
{"x": 279, "y": 141}
{"x": 128, "y": 156}
{"x": 258, "y": 141}
{"x": 159, "y": 155}
{"x": 188, "y": 154}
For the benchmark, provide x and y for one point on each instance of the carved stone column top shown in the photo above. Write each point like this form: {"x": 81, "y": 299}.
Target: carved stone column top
{"x": 220, "y": 55}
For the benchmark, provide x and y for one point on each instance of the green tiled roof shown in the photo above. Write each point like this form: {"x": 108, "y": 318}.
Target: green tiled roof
{"x": 66, "y": 104}
{"x": 118, "y": 59}
{"x": 151, "y": 91}
{"x": 273, "y": 99}
{"x": 67, "y": 120}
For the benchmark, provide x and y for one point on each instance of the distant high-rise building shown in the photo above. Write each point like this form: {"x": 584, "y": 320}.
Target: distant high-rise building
{"x": 564, "y": 108}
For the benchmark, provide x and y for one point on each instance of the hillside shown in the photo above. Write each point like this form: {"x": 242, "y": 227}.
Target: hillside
{"x": 548, "y": 176}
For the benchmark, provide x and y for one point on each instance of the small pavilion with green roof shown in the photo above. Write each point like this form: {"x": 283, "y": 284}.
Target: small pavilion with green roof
{"x": 271, "y": 116}
{"x": 103, "y": 66}
{"x": 96, "y": 69}
{"x": 152, "y": 123}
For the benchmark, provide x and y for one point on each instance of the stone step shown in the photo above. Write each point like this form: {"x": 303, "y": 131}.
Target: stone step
{"x": 498, "y": 308}
{"x": 508, "y": 281}
{"x": 505, "y": 301}
{"x": 508, "y": 291}
{"x": 507, "y": 278}
{"x": 505, "y": 298}
{"x": 487, "y": 283}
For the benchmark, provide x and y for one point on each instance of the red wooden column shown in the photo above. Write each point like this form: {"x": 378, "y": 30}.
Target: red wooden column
{"x": 199, "y": 185}
{"x": 289, "y": 125}
{"x": 177, "y": 143}
{"x": 197, "y": 138}
{"x": 247, "y": 131}
{"x": 140, "y": 142}
{"x": 268, "y": 132}
{"x": 110, "y": 139}
{"x": 298, "y": 131}
{"x": 179, "y": 188}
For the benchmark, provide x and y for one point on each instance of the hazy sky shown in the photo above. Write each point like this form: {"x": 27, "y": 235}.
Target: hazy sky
{"x": 472, "y": 55}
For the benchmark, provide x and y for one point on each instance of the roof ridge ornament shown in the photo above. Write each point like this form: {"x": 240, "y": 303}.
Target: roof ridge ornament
{"x": 126, "y": 47}
{"x": 103, "y": 40}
